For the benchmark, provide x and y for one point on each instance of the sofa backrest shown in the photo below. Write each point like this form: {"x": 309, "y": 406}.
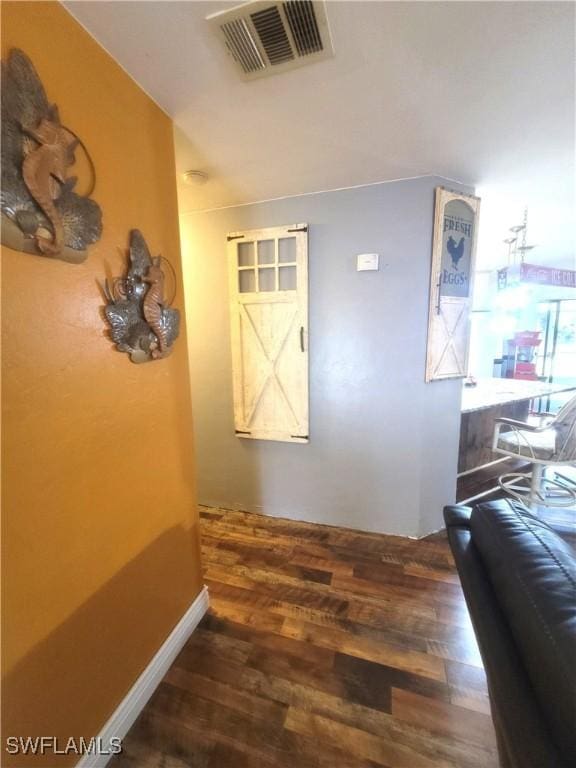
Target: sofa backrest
{"x": 533, "y": 573}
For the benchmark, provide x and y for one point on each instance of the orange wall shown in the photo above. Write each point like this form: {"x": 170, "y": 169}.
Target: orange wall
{"x": 100, "y": 530}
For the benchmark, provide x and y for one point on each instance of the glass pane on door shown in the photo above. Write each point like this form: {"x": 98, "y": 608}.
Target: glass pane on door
{"x": 287, "y": 278}
{"x": 245, "y": 254}
{"x": 564, "y": 363}
{"x": 246, "y": 281}
{"x": 557, "y": 357}
{"x": 287, "y": 250}
{"x": 267, "y": 279}
{"x": 266, "y": 253}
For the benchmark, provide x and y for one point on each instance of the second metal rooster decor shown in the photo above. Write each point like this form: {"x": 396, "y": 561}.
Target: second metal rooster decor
{"x": 42, "y": 212}
{"x": 142, "y": 322}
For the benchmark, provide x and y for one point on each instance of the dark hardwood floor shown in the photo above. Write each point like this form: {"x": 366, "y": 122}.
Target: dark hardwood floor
{"x": 323, "y": 648}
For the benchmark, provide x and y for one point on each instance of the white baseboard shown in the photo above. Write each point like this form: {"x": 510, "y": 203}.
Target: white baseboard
{"x": 130, "y": 707}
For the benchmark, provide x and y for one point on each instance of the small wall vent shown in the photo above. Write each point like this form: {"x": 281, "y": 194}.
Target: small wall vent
{"x": 265, "y": 38}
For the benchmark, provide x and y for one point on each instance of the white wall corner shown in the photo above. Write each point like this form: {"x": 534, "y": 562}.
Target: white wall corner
{"x": 137, "y": 697}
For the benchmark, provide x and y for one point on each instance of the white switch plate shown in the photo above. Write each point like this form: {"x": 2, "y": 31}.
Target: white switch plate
{"x": 366, "y": 262}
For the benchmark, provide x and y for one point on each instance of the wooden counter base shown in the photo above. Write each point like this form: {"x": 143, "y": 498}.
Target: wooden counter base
{"x": 476, "y": 430}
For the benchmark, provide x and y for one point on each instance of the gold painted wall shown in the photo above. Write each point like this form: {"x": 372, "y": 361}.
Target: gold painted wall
{"x": 99, "y": 527}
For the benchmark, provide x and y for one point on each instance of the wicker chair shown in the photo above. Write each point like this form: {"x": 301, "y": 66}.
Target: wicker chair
{"x": 549, "y": 444}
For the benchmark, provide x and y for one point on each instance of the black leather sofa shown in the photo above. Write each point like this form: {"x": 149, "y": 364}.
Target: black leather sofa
{"x": 519, "y": 581}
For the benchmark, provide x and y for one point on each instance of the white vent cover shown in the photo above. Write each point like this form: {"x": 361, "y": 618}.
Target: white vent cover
{"x": 264, "y": 38}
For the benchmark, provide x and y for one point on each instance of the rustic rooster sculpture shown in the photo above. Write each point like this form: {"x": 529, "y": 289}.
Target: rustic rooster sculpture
{"x": 42, "y": 166}
{"x": 141, "y": 321}
{"x": 41, "y": 211}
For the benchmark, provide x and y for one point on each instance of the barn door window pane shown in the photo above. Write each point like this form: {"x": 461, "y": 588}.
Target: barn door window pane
{"x": 246, "y": 281}
{"x": 287, "y": 278}
{"x": 267, "y": 279}
{"x": 245, "y": 254}
{"x": 266, "y": 253}
{"x": 287, "y": 250}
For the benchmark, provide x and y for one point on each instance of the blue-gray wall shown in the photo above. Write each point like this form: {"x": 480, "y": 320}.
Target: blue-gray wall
{"x": 383, "y": 444}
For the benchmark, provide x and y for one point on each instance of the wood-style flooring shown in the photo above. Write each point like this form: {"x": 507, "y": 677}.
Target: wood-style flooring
{"x": 323, "y": 648}
{"x": 482, "y": 485}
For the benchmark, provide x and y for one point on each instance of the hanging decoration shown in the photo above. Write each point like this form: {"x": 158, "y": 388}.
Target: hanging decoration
{"x": 41, "y": 211}
{"x": 516, "y": 242}
{"x": 142, "y": 322}
{"x": 518, "y": 272}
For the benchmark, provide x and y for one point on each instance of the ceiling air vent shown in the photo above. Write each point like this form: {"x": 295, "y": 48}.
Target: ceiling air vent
{"x": 265, "y": 38}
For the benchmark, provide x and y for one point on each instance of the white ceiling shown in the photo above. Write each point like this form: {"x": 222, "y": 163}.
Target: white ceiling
{"x": 480, "y": 92}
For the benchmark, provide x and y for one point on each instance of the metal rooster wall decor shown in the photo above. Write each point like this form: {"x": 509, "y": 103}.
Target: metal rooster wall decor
{"x": 41, "y": 212}
{"x": 142, "y": 322}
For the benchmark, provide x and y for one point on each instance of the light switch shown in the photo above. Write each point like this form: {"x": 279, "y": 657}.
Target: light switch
{"x": 366, "y": 262}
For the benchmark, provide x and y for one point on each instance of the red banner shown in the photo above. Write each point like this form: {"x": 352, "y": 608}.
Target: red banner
{"x": 563, "y": 278}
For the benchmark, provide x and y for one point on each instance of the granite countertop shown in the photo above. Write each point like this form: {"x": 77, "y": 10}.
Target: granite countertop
{"x": 492, "y": 392}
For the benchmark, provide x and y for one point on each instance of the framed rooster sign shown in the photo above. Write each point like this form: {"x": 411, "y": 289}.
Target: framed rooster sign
{"x": 451, "y": 281}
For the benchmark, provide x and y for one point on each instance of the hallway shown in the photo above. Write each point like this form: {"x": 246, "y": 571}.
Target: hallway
{"x": 322, "y": 647}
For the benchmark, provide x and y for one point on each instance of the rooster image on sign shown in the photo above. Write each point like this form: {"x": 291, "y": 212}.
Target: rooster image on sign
{"x": 455, "y": 250}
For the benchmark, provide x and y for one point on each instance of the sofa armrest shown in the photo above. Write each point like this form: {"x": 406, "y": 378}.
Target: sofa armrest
{"x": 457, "y": 515}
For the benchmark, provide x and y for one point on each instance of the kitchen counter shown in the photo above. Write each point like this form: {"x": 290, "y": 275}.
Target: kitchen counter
{"x": 494, "y": 392}
{"x": 489, "y": 400}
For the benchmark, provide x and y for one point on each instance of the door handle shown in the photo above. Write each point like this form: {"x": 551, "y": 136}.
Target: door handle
{"x": 439, "y": 287}
{"x": 302, "y": 338}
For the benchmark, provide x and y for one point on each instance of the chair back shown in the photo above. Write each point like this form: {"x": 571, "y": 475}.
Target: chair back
{"x": 565, "y": 427}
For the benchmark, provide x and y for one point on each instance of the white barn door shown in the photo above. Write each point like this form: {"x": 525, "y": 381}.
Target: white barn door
{"x": 268, "y": 271}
